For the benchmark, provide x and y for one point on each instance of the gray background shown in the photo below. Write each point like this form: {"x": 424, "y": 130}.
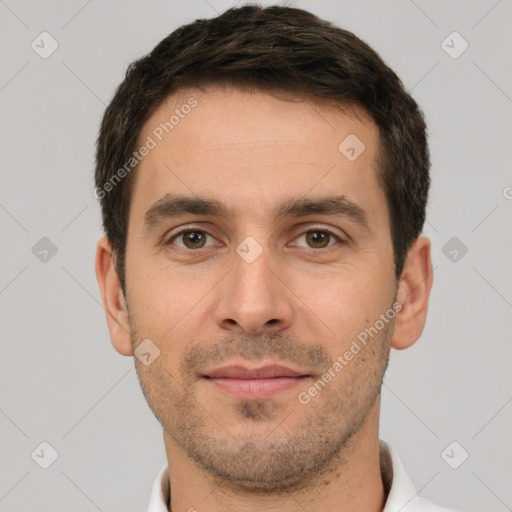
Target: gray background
{"x": 62, "y": 382}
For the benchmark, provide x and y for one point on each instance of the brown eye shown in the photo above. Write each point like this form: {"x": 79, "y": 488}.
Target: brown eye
{"x": 319, "y": 238}
{"x": 196, "y": 239}
{"x": 190, "y": 239}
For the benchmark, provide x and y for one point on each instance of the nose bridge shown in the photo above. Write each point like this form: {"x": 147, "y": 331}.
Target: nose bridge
{"x": 252, "y": 270}
{"x": 253, "y": 258}
{"x": 253, "y": 298}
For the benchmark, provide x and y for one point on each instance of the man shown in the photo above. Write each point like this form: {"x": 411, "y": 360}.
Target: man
{"x": 263, "y": 179}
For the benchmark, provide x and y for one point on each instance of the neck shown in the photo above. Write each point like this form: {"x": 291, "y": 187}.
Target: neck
{"x": 352, "y": 482}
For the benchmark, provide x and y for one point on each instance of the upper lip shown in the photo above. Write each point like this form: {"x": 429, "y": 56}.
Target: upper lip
{"x": 265, "y": 372}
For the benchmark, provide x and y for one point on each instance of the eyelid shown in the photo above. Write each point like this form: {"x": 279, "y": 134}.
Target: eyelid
{"x": 341, "y": 235}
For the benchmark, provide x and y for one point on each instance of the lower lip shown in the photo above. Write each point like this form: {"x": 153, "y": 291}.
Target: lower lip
{"x": 255, "y": 389}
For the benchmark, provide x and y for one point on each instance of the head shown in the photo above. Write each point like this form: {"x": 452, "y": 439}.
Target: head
{"x": 299, "y": 165}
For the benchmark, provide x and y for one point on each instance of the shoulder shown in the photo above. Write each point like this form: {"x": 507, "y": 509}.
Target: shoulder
{"x": 402, "y": 494}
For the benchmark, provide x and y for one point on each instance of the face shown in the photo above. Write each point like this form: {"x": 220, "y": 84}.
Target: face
{"x": 258, "y": 255}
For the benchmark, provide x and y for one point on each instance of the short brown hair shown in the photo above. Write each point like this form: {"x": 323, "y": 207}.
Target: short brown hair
{"x": 272, "y": 49}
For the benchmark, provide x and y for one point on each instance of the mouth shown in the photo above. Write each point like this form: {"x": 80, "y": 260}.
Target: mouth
{"x": 256, "y": 383}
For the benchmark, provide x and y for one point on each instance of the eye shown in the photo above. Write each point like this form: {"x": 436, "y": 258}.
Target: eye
{"x": 195, "y": 239}
{"x": 319, "y": 238}
{"x": 191, "y": 238}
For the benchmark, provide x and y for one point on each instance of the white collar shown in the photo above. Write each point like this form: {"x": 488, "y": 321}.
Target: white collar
{"x": 402, "y": 496}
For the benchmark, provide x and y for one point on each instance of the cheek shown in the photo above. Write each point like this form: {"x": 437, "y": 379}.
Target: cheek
{"x": 346, "y": 305}
{"x": 149, "y": 276}
{"x": 170, "y": 308}
{"x": 157, "y": 300}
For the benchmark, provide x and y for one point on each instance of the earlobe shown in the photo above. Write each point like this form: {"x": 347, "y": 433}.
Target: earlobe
{"x": 413, "y": 294}
{"x": 112, "y": 297}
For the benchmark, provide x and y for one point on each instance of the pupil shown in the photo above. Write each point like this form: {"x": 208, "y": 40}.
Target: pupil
{"x": 194, "y": 237}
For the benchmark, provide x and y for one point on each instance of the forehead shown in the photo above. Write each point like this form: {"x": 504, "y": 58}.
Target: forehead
{"x": 220, "y": 140}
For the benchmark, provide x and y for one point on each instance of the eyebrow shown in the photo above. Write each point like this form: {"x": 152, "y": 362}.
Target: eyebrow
{"x": 170, "y": 206}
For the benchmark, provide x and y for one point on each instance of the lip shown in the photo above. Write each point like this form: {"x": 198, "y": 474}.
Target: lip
{"x": 242, "y": 372}
{"x": 255, "y": 383}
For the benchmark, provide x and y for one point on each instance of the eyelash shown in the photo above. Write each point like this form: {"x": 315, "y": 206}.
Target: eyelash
{"x": 192, "y": 229}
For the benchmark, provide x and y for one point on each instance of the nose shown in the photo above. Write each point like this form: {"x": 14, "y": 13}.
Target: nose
{"x": 254, "y": 297}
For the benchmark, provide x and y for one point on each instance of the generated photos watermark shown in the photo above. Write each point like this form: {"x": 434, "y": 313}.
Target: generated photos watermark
{"x": 357, "y": 345}
{"x": 150, "y": 143}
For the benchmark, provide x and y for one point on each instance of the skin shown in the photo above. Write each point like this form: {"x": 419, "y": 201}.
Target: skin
{"x": 300, "y": 303}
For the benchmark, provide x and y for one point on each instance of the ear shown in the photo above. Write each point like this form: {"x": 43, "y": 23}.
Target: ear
{"x": 413, "y": 294}
{"x": 113, "y": 299}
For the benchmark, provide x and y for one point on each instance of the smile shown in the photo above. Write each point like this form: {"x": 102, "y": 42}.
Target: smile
{"x": 254, "y": 384}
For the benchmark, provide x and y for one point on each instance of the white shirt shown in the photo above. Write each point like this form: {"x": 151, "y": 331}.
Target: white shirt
{"x": 402, "y": 496}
